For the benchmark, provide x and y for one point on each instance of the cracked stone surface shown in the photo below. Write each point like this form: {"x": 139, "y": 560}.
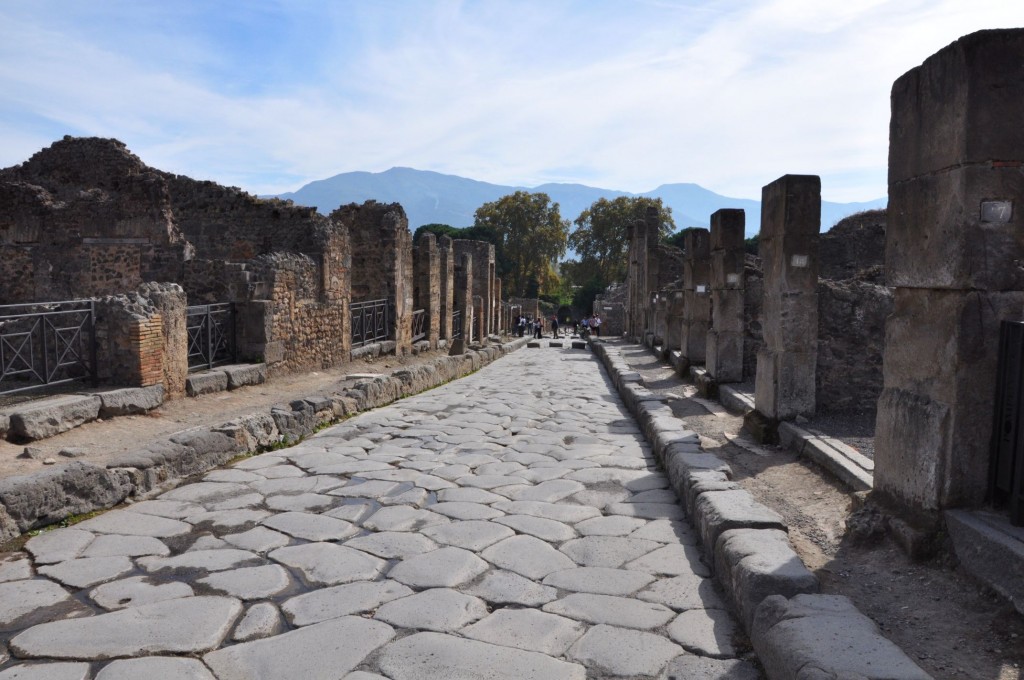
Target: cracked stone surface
{"x": 512, "y": 524}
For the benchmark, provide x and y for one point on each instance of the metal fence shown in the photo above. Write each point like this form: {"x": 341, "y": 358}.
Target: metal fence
{"x": 456, "y": 324}
{"x": 211, "y": 335}
{"x": 419, "y": 325}
{"x": 370, "y": 321}
{"x": 1006, "y": 482}
{"x": 46, "y": 343}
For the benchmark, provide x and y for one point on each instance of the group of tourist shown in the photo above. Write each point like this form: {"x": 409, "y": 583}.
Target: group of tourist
{"x": 524, "y": 325}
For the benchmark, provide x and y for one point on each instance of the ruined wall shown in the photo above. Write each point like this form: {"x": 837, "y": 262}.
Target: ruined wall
{"x": 129, "y": 341}
{"x": 753, "y": 297}
{"x": 446, "y": 255}
{"x": 483, "y": 278}
{"x": 611, "y": 306}
{"x": 854, "y": 248}
{"x": 427, "y": 285}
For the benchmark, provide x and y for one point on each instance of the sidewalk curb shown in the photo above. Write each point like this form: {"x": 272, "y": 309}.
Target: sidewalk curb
{"x": 796, "y": 632}
{"x": 41, "y": 498}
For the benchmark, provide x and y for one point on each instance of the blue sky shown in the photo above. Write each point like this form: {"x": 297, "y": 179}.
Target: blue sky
{"x": 623, "y": 94}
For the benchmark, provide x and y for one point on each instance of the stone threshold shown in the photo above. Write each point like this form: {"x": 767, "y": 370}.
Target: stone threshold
{"x": 991, "y": 550}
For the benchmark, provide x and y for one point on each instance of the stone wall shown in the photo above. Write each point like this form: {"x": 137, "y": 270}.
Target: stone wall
{"x": 427, "y": 285}
{"x": 611, "y": 306}
{"x": 854, "y": 248}
{"x": 483, "y": 278}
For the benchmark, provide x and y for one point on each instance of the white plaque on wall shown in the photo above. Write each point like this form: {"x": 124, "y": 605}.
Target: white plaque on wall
{"x": 702, "y": 289}
{"x": 732, "y": 278}
{"x": 798, "y": 261}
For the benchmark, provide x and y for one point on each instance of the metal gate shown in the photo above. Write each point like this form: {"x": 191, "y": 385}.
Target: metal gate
{"x": 419, "y": 328}
{"x": 456, "y": 324}
{"x": 211, "y": 335}
{"x": 46, "y": 343}
{"x": 1006, "y": 484}
{"x": 370, "y": 322}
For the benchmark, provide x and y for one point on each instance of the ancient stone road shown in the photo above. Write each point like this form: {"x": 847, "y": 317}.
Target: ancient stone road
{"x": 511, "y": 524}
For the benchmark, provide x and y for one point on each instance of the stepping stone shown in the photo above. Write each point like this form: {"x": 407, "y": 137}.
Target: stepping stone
{"x": 258, "y": 540}
{"x": 527, "y": 629}
{"x": 332, "y": 603}
{"x": 311, "y": 527}
{"x": 46, "y": 671}
{"x": 624, "y": 652}
{"x": 666, "y": 531}
{"x": 312, "y": 653}
{"x": 558, "y": 512}
{"x": 671, "y": 560}
{"x": 58, "y": 545}
{"x": 260, "y": 621}
{"x": 687, "y": 591}
{"x": 186, "y": 626}
{"x": 440, "y": 609}
{"x": 137, "y": 591}
{"x": 707, "y": 632}
{"x": 544, "y": 529}
{"x": 527, "y": 556}
{"x": 615, "y": 611}
{"x": 113, "y": 545}
{"x": 465, "y": 511}
{"x": 19, "y": 598}
{"x": 161, "y": 667}
{"x": 468, "y": 534}
{"x": 607, "y": 551}
{"x": 326, "y": 564}
{"x": 88, "y": 571}
{"x": 210, "y": 560}
{"x": 504, "y": 587}
{"x": 252, "y": 583}
{"x": 15, "y": 569}
{"x": 613, "y": 525}
{"x": 442, "y": 568}
{"x": 302, "y": 502}
{"x": 549, "y": 492}
{"x": 599, "y": 580}
{"x": 429, "y": 656}
{"x": 402, "y": 518}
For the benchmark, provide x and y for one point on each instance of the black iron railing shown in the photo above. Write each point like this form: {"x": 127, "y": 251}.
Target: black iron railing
{"x": 1006, "y": 472}
{"x": 370, "y": 322}
{"x": 419, "y": 326}
{"x": 211, "y": 335}
{"x": 46, "y": 343}
{"x": 456, "y": 324}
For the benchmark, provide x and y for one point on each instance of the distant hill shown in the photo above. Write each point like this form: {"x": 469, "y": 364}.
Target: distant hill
{"x": 432, "y": 197}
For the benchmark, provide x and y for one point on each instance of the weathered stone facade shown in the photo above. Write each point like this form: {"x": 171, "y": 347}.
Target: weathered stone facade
{"x": 427, "y": 285}
{"x": 611, "y": 307}
{"x": 724, "y": 347}
{"x": 482, "y": 282}
{"x": 696, "y": 296}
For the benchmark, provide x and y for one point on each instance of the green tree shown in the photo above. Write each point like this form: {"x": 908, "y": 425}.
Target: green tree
{"x": 532, "y": 236}
{"x": 601, "y": 238}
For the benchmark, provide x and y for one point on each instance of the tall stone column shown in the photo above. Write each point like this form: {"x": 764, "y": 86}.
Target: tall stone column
{"x": 696, "y": 297}
{"x": 954, "y": 248}
{"x": 790, "y": 220}
{"x": 446, "y": 257}
{"x": 500, "y": 323}
{"x": 427, "y": 275}
{"x": 463, "y": 303}
{"x": 724, "y": 354}
{"x": 673, "y": 322}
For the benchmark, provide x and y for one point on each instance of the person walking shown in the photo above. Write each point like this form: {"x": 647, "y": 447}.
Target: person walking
{"x": 595, "y": 323}
{"x": 554, "y": 326}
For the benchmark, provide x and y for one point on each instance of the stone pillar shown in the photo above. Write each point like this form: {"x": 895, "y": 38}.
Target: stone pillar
{"x": 638, "y": 299}
{"x": 170, "y": 302}
{"x": 790, "y": 220}
{"x": 954, "y": 249}
{"x": 446, "y": 257}
{"x": 463, "y": 302}
{"x": 660, "y": 317}
{"x": 673, "y": 322}
{"x": 724, "y": 355}
{"x": 479, "y": 319}
{"x": 426, "y": 266}
{"x": 696, "y": 297}
{"x": 483, "y": 277}
{"x": 500, "y": 312}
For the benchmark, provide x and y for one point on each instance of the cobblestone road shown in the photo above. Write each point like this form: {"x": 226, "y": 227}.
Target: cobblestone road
{"x": 509, "y": 525}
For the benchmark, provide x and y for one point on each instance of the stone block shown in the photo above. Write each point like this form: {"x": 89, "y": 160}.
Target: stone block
{"x": 824, "y": 636}
{"x": 716, "y": 512}
{"x": 938, "y": 235}
{"x": 207, "y": 382}
{"x": 252, "y": 432}
{"x": 727, "y": 311}
{"x": 697, "y": 273}
{"x": 50, "y": 495}
{"x": 693, "y": 341}
{"x": 727, "y": 229}
{"x": 48, "y": 417}
{"x": 961, "y": 106}
{"x": 576, "y": 344}
{"x": 697, "y": 243}
{"x": 785, "y": 384}
{"x": 990, "y": 550}
{"x": 130, "y": 400}
{"x": 752, "y": 564}
{"x": 5, "y": 425}
{"x": 245, "y": 374}
{"x": 727, "y": 269}
{"x": 790, "y": 322}
{"x": 790, "y": 263}
{"x": 791, "y": 205}
{"x": 724, "y": 356}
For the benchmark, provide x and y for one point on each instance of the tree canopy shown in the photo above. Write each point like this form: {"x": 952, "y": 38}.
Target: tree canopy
{"x": 531, "y": 237}
{"x": 601, "y": 238}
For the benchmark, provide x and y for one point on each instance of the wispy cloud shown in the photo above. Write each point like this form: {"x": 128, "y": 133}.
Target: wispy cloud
{"x": 268, "y": 94}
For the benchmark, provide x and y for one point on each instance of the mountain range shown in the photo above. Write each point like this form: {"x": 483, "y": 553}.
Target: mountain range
{"x": 432, "y": 197}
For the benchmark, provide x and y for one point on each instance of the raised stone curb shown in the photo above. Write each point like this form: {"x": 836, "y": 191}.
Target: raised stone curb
{"x": 206, "y": 382}
{"x": 747, "y": 547}
{"x": 241, "y": 375}
{"x": 48, "y": 417}
{"x": 990, "y": 549}
{"x": 851, "y": 467}
{"x": 130, "y": 401}
{"x": 51, "y": 495}
{"x": 734, "y": 400}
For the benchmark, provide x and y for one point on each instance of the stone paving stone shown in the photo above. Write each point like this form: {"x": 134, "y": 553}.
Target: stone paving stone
{"x": 326, "y": 564}
{"x": 544, "y": 529}
{"x": 501, "y": 468}
{"x": 205, "y": 492}
{"x": 655, "y": 496}
{"x": 303, "y": 502}
{"x": 439, "y": 609}
{"x": 527, "y": 556}
{"x": 687, "y": 591}
{"x": 259, "y": 462}
{"x": 113, "y": 545}
{"x": 429, "y": 656}
{"x": 251, "y": 583}
{"x": 310, "y": 526}
{"x": 258, "y": 540}
{"x": 15, "y": 569}
{"x": 560, "y": 512}
{"x": 208, "y": 542}
{"x": 248, "y": 500}
{"x": 363, "y": 675}
{"x": 355, "y": 512}
{"x": 286, "y": 485}
{"x": 489, "y": 481}
{"x": 137, "y": 591}
{"x": 707, "y": 632}
{"x": 671, "y": 560}
{"x": 464, "y": 511}
{"x": 600, "y": 498}
{"x": 666, "y": 531}
{"x": 332, "y": 603}
{"x": 624, "y": 652}
{"x": 469, "y": 534}
{"x": 549, "y": 492}
{"x": 599, "y": 580}
{"x": 369, "y": 489}
{"x": 607, "y": 551}
{"x": 223, "y": 520}
{"x": 232, "y": 475}
{"x": 468, "y": 495}
{"x": 542, "y": 474}
{"x": 261, "y": 620}
{"x": 443, "y": 568}
{"x": 401, "y": 518}
{"x": 527, "y": 629}
{"x": 88, "y": 571}
{"x": 451, "y": 472}
{"x": 612, "y": 525}
{"x": 164, "y": 508}
{"x": 189, "y": 625}
{"x": 157, "y": 668}
{"x": 615, "y": 611}
{"x": 690, "y": 667}
{"x": 647, "y": 510}
{"x": 324, "y": 651}
{"x": 19, "y": 598}
{"x": 415, "y": 497}
{"x": 210, "y": 560}
{"x": 134, "y": 524}
{"x": 47, "y": 671}
{"x": 58, "y": 545}
{"x": 392, "y": 544}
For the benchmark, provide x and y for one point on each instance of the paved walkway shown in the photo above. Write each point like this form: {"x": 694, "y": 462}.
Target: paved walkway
{"x": 509, "y": 525}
